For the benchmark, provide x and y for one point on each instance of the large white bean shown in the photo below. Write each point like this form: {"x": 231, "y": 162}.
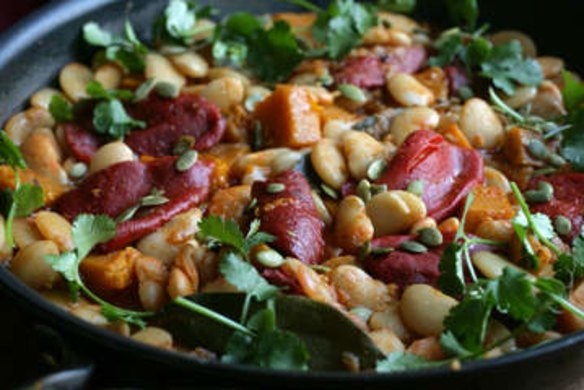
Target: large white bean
{"x": 361, "y": 150}
{"x": 110, "y": 154}
{"x": 506, "y": 36}
{"x": 491, "y": 264}
{"x": 30, "y": 266}
{"x": 20, "y": 125}
{"x": 154, "y": 336}
{"x": 109, "y": 75}
{"x": 43, "y": 154}
{"x": 218, "y": 73}
{"x": 42, "y": 98}
{"x": 352, "y": 225}
{"x": 497, "y": 230}
{"x": 335, "y": 129}
{"x": 481, "y": 126}
{"x": 413, "y": 119}
{"x": 329, "y": 163}
{"x": 161, "y": 70}
{"x": 73, "y": 79}
{"x": 54, "y": 227}
{"x": 423, "y": 309}
{"x": 357, "y": 289}
{"x": 224, "y": 92}
{"x": 387, "y": 341}
{"x": 550, "y": 66}
{"x": 25, "y": 232}
{"x": 190, "y": 64}
{"x": 286, "y": 161}
{"x": 393, "y": 212}
{"x": 408, "y": 91}
{"x": 522, "y": 96}
{"x": 390, "y": 318}
{"x": 495, "y": 178}
{"x": 548, "y": 103}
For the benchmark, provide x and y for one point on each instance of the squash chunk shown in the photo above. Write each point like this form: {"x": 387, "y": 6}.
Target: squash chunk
{"x": 489, "y": 202}
{"x": 289, "y": 117}
{"x": 111, "y": 272}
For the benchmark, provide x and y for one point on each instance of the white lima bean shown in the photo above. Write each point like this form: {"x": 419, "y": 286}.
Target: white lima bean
{"x": 495, "y": 178}
{"x": 491, "y": 264}
{"x": 89, "y": 313}
{"x": 357, "y": 289}
{"x": 109, "y": 75}
{"x": 548, "y": 103}
{"x": 393, "y": 212}
{"x": 43, "y": 154}
{"x": 224, "y": 92}
{"x": 386, "y": 341}
{"x": 218, "y": 73}
{"x": 352, "y": 225}
{"x": 179, "y": 284}
{"x": 30, "y": 265}
{"x": 481, "y": 125}
{"x": 335, "y": 129}
{"x": 110, "y": 154}
{"x": 390, "y": 318}
{"x": 73, "y": 79}
{"x": 550, "y": 66}
{"x": 154, "y": 336}
{"x": 497, "y": 230}
{"x": 25, "y": 232}
{"x": 361, "y": 150}
{"x": 56, "y": 228}
{"x": 285, "y": 161}
{"x": 42, "y": 98}
{"x": 329, "y": 163}
{"x": 522, "y": 96}
{"x": 20, "y": 125}
{"x": 408, "y": 91}
{"x": 190, "y": 64}
{"x": 413, "y": 119}
{"x": 423, "y": 309}
{"x": 161, "y": 70}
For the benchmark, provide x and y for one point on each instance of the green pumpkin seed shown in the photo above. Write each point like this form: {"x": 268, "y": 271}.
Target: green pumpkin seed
{"x": 416, "y": 187}
{"x": 431, "y": 237}
{"x": 258, "y": 137}
{"x": 378, "y": 189}
{"x": 381, "y": 251}
{"x": 563, "y": 225}
{"x": 556, "y": 160}
{"x": 365, "y": 250}
{"x": 270, "y": 258}
{"x": 376, "y": 169}
{"x": 128, "y": 214}
{"x": 323, "y": 212}
{"x": 144, "y": 90}
{"x": 543, "y": 194}
{"x": 275, "y": 188}
{"x": 413, "y": 247}
{"x": 185, "y": 143}
{"x": 366, "y": 123}
{"x": 364, "y": 190}
{"x": 362, "y": 312}
{"x": 326, "y": 80}
{"x": 537, "y": 149}
{"x": 78, "y": 170}
{"x": 352, "y": 92}
{"x": 328, "y": 191}
{"x": 186, "y": 160}
{"x": 167, "y": 90}
{"x": 155, "y": 198}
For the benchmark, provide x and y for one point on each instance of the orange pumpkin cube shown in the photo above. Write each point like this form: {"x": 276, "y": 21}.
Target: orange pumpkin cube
{"x": 489, "y": 202}
{"x": 290, "y": 117}
{"x": 111, "y": 272}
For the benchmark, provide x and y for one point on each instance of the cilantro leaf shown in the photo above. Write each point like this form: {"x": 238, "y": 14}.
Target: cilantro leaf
{"x": 402, "y": 361}
{"x": 9, "y": 153}
{"x": 506, "y": 66}
{"x": 515, "y": 295}
{"x": 449, "y": 46}
{"x": 180, "y": 18}
{"x": 61, "y": 109}
{"x": 66, "y": 264}
{"x": 342, "y": 25}
{"x": 573, "y": 140}
{"x": 97, "y": 91}
{"x": 245, "y": 277}
{"x": 451, "y": 279}
{"x": 570, "y": 268}
{"x": 573, "y": 92}
{"x": 400, "y": 6}
{"x": 110, "y": 118}
{"x": 464, "y": 12}
{"x": 27, "y": 198}
{"x": 127, "y": 51}
{"x": 89, "y": 230}
{"x": 224, "y": 232}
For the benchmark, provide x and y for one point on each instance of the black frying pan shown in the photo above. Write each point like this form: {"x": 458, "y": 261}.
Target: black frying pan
{"x": 31, "y": 55}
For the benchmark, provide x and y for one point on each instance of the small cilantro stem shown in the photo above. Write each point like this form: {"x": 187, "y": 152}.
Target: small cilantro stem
{"x": 12, "y": 212}
{"x": 567, "y": 305}
{"x": 306, "y": 4}
{"x": 531, "y": 222}
{"x": 501, "y": 105}
{"x": 190, "y": 305}
{"x": 97, "y": 299}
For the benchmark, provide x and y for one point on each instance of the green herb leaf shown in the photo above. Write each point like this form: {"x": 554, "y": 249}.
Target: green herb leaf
{"x": 97, "y": 91}
{"x": 90, "y": 230}
{"x": 10, "y": 153}
{"x": 223, "y": 232}
{"x": 451, "y": 279}
{"x": 506, "y": 66}
{"x": 515, "y": 295}
{"x": 464, "y": 12}
{"x": 245, "y": 277}
{"x": 61, "y": 109}
{"x": 180, "y": 18}
{"x": 573, "y": 140}
{"x": 402, "y": 361}
{"x": 110, "y": 118}
{"x": 27, "y": 198}
{"x": 400, "y": 6}
{"x": 67, "y": 265}
{"x": 570, "y": 268}
{"x": 127, "y": 51}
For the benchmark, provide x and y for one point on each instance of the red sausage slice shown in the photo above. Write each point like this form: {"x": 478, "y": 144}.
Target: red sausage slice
{"x": 81, "y": 142}
{"x": 291, "y": 216}
{"x": 568, "y": 199}
{"x": 364, "y": 72}
{"x": 449, "y": 172}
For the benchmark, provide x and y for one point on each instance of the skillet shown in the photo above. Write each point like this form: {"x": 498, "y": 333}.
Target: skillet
{"x": 30, "y": 57}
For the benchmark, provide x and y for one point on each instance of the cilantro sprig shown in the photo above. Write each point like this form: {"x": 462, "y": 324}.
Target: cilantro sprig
{"x": 127, "y": 51}
{"x": 87, "y": 232}
{"x": 178, "y": 25}
{"x": 457, "y": 254}
{"x": 24, "y": 198}
{"x": 573, "y": 138}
